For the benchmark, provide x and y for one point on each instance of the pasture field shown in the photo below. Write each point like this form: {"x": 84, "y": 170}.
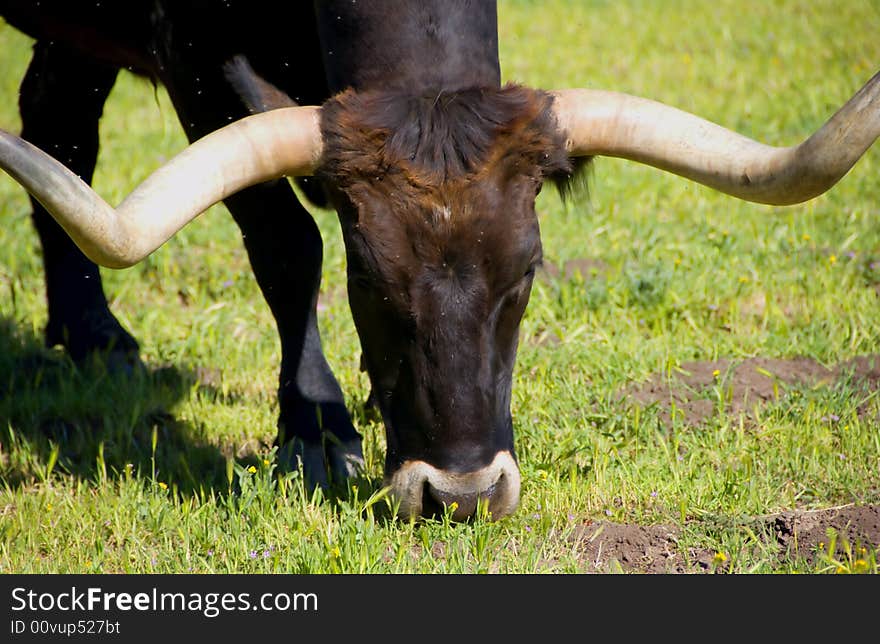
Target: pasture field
{"x": 697, "y": 376}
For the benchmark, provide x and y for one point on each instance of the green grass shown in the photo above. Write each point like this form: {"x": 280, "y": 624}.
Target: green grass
{"x": 172, "y": 472}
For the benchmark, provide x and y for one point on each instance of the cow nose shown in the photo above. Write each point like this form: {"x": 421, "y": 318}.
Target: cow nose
{"x": 424, "y": 490}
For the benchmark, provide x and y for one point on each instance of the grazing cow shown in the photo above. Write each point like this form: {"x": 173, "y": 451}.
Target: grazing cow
{"x": 433, "y": 167}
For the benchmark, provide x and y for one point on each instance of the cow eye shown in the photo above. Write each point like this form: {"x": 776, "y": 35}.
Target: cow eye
{"x": 533, "y": 268}
{"x": 523, "y": 282}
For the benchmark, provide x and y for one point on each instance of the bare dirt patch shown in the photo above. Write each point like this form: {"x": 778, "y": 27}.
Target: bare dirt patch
{"x": 804, "y": 534}
{"x": 698, "y": 390}
{"x": 693, "y": 394}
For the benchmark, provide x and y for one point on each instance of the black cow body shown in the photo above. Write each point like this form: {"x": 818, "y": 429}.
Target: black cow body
{"x": 80, "y": 48}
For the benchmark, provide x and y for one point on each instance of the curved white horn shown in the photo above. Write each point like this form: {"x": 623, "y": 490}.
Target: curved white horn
{"x": 283, "y": 142}
{"x": 612, "y": 124}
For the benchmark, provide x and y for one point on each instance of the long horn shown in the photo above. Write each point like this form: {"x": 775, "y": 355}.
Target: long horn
{"x": 283, "y": 142}
{"x": 611, "y": 124}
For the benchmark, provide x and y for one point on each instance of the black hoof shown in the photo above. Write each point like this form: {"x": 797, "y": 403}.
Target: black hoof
{"x": 323, "y": 464}
{"x": 97, "y": 337}
{"x": 345, "y": 460}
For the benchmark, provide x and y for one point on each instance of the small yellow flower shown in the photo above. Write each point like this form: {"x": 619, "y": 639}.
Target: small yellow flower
{"x": 252, "y": 469}
{"x": 832, "y": 259}
{"x": 48, "y": 507}
{"x": 806, "y": 237}
{"x": 743, "y": 279}
{"x": 719, "y": 558}
{"x": 266, "y": 462}
{"x": 543, "y": 475}
{"x": 335, "y": 552}
{"x": 453, "y": 506}
{"x": 716, "y": 373}
{"x": 163, "y": 485}
{"x": 860, "y": 564}
{"x": 840, "y": 570}
{"x": 677, "y": 261}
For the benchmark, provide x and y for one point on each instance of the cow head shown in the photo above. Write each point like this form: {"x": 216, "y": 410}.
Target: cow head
{"x": 436, "y": 197}
{"x": 436, "y": 200}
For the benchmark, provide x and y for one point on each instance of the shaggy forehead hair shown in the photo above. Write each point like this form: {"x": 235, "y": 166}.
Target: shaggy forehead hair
{"x": 438, "y": 139}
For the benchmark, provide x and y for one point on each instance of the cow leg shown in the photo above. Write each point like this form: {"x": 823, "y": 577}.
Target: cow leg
{"x": 285, "y": 250}
{"x": 61, "y": 101}
{"x": 282, "y": 240}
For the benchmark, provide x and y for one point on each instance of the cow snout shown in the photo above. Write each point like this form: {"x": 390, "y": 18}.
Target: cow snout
{"x": 423, "y": 490}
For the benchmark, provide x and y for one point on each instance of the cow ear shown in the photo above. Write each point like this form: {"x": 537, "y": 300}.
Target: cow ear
{"x": 573, "y": 183}
{"x": 258, "y": 94}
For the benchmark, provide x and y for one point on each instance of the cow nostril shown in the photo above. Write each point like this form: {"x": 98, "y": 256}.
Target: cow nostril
{"x": 432, "y": 507}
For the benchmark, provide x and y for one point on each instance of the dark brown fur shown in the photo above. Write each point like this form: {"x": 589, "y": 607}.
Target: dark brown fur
{"x": 434, "y": 140}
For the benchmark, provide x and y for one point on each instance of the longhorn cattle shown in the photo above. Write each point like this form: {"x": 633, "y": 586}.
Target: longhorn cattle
{"x": 433, "y": 167}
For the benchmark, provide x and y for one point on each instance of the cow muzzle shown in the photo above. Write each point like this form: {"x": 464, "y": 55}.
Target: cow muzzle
{"x": 422, "y": 489}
